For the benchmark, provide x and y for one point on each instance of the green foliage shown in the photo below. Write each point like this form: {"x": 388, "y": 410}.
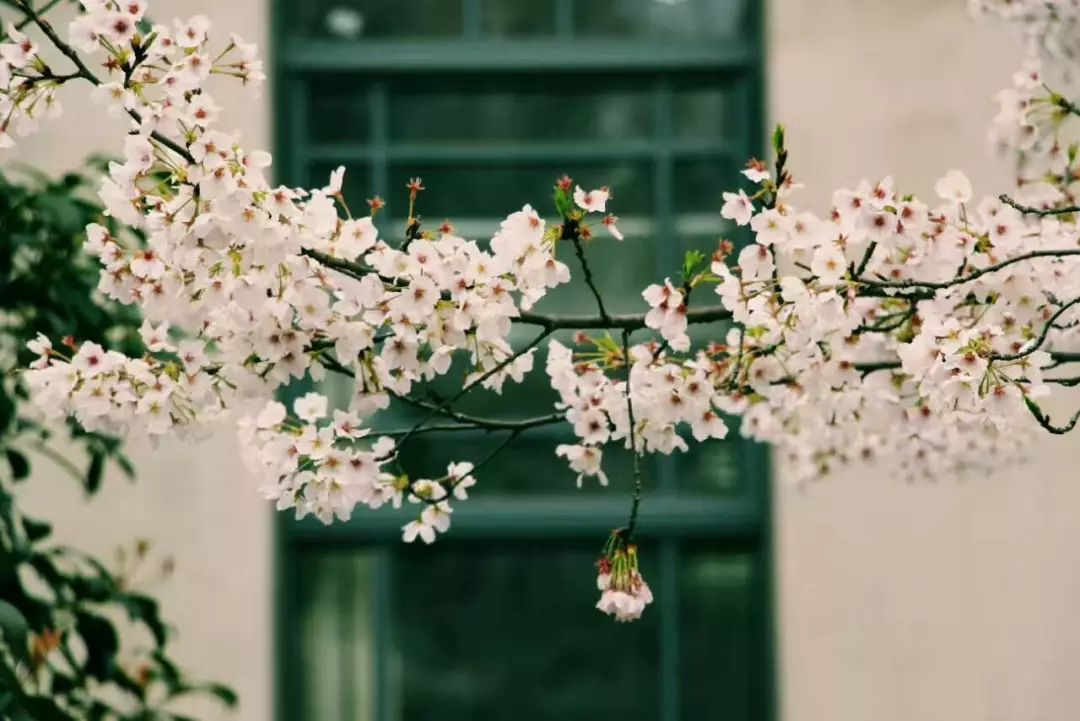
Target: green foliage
{"x": 65, "y": 617}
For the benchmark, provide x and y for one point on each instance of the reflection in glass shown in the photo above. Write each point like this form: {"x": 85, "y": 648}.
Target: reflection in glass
{"x": 530, "y": 109}
{"x": 717, "y": 631}
{"x": 666, "y": 20}
{"x": 345, "y": 100}
{"x": 514, "y": 18}
{"x": 358, "y": 19}
{"x": 336, "y": 628}
{"x": 508, "y": 630}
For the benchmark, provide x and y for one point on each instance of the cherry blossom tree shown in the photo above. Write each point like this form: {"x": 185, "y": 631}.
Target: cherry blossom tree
{"x": 923, "y": 334}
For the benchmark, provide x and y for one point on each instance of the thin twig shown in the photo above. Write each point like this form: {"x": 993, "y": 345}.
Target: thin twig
{"x": 930, "y": 285}
{"x": 630, "y": 322}
{"x": 865, "y": 259}
{"x": 588, "y": 276}
{"x": 495, "y": 451}
{"x": 485, "y": 423}
{"x": 1044, "y": 420}
{"x": 1041, "y": 212}
{"x": 448, "y": 402}
{"x": 636, "y": 503}
{"x": 1032, "y": 347}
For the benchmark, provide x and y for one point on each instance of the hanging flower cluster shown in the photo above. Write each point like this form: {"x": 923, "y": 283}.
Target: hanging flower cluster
{"x": 624, "y": 594}
{"x": 922, "y": 334}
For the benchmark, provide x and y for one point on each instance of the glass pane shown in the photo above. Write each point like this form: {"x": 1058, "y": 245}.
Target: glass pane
{"x": 700, "y": 184}
{"x": 339, "y": 110}
{"x": 490, "y": 632}
{"x": 708, "y": 112}
{"x": 718, "y": 628}
{"x": 672, "y": 20}
{"x": 531, "y": 109}
{"x": 514, "y": 18}
{"x": 336, "y": 628}
{"x": 710, "y": 467}
{"x": 357, "y": 19}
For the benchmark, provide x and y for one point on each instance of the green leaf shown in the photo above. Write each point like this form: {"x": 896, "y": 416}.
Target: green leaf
{"x": 20, "y": 465}
{"x": 778, "y": 138}
{"x": 101, "y": 642}
{"x": 145, "y": 609}
{"x": 95, "y": 472}
{"x": 36, "y": 530}
{"x": 220, "y": 691}
{"x": 125, "y": 465}
{"x": 13, "y": 626}
{"x": 7, "y": 409}
{"x": 40, "y": 708}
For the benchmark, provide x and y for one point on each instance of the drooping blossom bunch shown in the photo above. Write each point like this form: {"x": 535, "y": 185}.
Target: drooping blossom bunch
{"x": 624, "y": 594}
{"x": 922, "y": 334}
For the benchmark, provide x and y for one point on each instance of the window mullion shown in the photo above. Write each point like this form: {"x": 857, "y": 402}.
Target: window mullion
{"x": 472, "y": 21}
{"x": 564, "y": 18}
{"x": 669, "y": 630}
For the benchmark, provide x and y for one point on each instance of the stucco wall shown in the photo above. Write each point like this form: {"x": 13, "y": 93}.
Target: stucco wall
{"x": 946, "y": 601}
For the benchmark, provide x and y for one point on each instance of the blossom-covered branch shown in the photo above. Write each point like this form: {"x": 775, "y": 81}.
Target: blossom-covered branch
{"x": 918, "y": 333}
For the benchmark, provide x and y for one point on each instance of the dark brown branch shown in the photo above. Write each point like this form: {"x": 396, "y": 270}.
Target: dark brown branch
{"x": 929, "y": 285}
{"x": 631, "y": 322}
{"x": 491, "y": 424}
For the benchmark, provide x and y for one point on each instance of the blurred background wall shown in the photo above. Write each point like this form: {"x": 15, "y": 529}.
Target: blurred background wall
{"x": 928, "y": 601}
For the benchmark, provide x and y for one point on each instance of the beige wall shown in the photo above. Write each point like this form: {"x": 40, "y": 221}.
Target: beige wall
{"x": 194, "y": 501}
{"x": 953, "y": 601}
{"x": 947, "y": 601}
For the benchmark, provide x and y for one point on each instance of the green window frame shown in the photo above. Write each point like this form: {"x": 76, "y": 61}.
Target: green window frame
{"x": 673, "y": 519}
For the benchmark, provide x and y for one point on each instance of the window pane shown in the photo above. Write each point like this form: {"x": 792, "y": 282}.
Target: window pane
{"x": 718, "y": 627}
{"x": 514, "y": 18}
{"x": 490, "y": 632}
{"x": 339, "y": 110}
{"x": 357, "y": 19}
{"x": 710, "y": 467}
{"x": 336, "y": 628}
{"x": 661, "y": 19}
{"x": 700, "y": 184}
{"x": 708, "y": 112}
{"x": 531, "y": 109}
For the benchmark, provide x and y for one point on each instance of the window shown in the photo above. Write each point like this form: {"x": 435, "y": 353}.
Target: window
{"x": 489, "y": 101}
